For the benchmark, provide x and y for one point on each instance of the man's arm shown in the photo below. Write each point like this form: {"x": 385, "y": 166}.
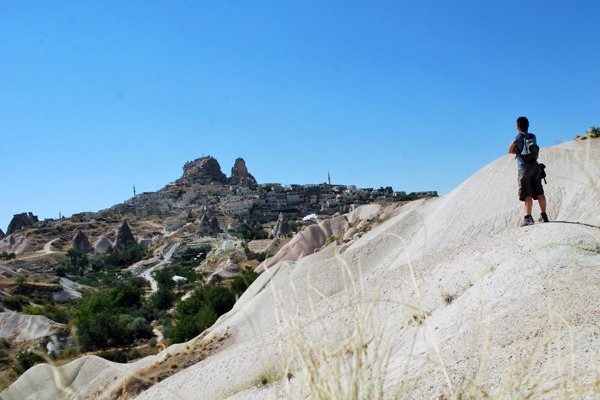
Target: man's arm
{"x": 512, "y": 149}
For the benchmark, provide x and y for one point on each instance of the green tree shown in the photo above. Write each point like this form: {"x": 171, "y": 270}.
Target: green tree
{"x": 200, "y": 311}
{"x": 242, "y": 282}
{"x": 77, "y": 262}
{"x": 162, "y": 299}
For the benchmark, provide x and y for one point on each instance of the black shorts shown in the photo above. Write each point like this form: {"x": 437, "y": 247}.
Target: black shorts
{"x": 530, "y": 182}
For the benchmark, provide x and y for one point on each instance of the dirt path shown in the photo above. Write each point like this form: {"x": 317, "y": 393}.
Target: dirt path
{"x": 47, "y": 247}
{"x": 147, "y": 273}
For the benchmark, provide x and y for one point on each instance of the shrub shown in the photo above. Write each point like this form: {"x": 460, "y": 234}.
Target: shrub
{"x": 200, "y": 311}
{"x": 15, "y": 302}
{"x": 130, "y": 255}
{"x": 250, "y": 231}
{"x": 111, "y": 318}
{"x": 593, "y": 132}
{"x": 54, "y": 312}
{"x": 76, "y": 262}
{"x": 250, "y": 255}
{"x": 162, "y": 299}
{"x": 294, "y": 225}
{"x": 243, "y": 282}
{"x": 26, "y": 360}
{"x": 7, "y": 256}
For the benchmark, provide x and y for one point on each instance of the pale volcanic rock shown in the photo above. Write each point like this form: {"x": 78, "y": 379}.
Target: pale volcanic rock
{"x": 448, "y": 298}
{"x": 102, "y": 245}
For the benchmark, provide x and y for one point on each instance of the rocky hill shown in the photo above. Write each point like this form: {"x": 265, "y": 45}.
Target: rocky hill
{"x": 446, "y": 298}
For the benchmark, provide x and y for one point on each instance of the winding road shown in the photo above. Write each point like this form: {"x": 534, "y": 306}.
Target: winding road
{"x": 147, "y": 273}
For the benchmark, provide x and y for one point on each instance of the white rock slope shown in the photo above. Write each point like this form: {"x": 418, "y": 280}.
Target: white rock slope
{"x": 448, "y": 297}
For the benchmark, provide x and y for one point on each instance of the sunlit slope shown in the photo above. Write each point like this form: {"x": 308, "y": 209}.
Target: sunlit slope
{"x": 450, "y": 296}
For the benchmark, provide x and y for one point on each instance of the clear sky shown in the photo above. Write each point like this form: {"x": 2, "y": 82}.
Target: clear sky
{"x": 98, "y": 96}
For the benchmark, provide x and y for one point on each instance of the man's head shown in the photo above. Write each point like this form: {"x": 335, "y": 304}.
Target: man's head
{"x": 523, "y": 124}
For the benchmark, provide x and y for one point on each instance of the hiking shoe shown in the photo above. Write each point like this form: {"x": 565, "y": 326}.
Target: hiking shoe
{"x": 544, "y": 218}
{"x": 528, "y": 220}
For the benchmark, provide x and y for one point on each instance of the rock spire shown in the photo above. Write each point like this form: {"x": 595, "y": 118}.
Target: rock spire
{"x": 124, "y": 237}
{"x": 282, "y": 228}
{"x": 240, "y": 175}
{"x": 81, "y": 243}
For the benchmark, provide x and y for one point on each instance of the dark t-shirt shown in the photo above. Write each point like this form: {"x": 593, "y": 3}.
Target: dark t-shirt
{"x": 520, "y": 143}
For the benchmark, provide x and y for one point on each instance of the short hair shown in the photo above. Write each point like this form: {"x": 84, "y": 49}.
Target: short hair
{"x": 523, "y": 124}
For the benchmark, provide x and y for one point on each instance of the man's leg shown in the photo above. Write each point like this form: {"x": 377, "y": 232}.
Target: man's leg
{"x": 542, "y": 202}
{"x": 529, "y": 205}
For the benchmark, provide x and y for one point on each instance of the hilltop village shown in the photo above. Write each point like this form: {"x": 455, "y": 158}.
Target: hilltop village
{"x": 205, "y": 189}
{"x": 241, "y": 197}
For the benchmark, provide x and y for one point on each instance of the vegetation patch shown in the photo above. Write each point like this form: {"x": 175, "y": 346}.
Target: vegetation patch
{"x": 170, "y": 365}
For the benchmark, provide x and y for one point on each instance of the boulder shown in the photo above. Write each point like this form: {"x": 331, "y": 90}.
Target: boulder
{"x": 227, "y": 269}
{"x": 144, "y": 242}
{"x": 14, "y": 243}
{"x": 102, "y": 245}
{"x": 202, "y": 171}
{"x": 240, "y": 175}
{"x": 172, "y": 226}
{"x": 25, "y": 328}
{"x": 81, "y": 243}
{"x": 22, "y": 221}
{"x": 124, "y": 237}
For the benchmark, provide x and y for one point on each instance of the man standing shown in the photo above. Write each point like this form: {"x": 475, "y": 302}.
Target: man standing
{"x": 526, "y": 150}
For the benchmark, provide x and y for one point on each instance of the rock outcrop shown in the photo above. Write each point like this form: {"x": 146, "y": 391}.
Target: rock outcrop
{"x": 14, "y": 243}
{"x": 26, "y": 328}
{"x": 227, "y": 269}
{"x": 22, "y": 221}
{"x": 282, "y": 228}
{"x": 208, "y": 223}
{"x": 102, "y": 245}
{"x": 81, "y": 243}
{"x": 2, "y": 235}
{"x": 203, "y": 171}
{"x": 124, "y": 238}
{"x": 214, "y": 223}
{"x": 240, "y": 175}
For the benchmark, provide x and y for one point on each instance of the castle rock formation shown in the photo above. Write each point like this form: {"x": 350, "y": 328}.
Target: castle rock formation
{"x": 202, "y": 171}
{"x": 240, "y": 175}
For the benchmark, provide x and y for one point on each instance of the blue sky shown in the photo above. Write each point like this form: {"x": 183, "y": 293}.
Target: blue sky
{"x": 96, "y": 97}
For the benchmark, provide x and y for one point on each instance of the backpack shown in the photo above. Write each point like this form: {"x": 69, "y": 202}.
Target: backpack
{"x": 530, "y": 151}
{"x": 543, "y": 172}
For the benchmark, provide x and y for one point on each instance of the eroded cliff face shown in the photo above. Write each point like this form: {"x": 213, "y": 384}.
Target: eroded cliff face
{"x": 22, "y": 221}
